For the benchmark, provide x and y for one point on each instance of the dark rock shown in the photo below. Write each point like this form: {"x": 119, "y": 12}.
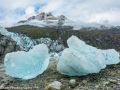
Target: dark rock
{"x": 7, "y": 45}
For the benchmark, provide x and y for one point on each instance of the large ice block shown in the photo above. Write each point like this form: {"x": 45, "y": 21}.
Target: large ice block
{"x": 82, "y": 59}
{"x": 27, "y": 65}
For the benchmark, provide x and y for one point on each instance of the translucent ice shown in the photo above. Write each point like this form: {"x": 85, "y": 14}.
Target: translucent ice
{"x": 111, "y": 56}
{"x": 82, "y": 59}
{"x": 27, "y": 65}
{"x": 3, "y": 31}
{"x": 25, "y": 43}
{"x": 54, "y": 56}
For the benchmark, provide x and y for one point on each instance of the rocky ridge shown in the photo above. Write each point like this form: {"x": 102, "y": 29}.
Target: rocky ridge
{"x": 43, "y": 17}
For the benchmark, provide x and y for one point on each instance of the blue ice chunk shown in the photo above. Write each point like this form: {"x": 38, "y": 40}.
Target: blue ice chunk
{"x": 111, "y": 56}
{"x": 27, "y": 65}
{"x": 82, "y": 59}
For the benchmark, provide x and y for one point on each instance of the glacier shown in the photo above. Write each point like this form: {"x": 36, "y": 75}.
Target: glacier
{"x": 82, "y": 59}
{"x": 25, "y": 43}
{"x": 27, "y": 65}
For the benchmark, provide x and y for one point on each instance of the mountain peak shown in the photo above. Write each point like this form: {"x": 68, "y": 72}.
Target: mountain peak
{"x": 44, "y": 16}
{"x": 45, "y": 13}
{"x": 47, "y": 16}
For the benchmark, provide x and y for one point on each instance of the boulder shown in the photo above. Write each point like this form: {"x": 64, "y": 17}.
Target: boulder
{"x": 73, "y": 83}
{"x": 55, "y": 86}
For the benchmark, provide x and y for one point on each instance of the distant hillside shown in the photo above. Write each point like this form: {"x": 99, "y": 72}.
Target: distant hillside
{"x": 102, "y": 39}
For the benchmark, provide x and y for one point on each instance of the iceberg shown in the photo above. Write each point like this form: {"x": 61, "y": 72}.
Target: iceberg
{"x": 82, "y": 59}
{"x": 27, "y": 65}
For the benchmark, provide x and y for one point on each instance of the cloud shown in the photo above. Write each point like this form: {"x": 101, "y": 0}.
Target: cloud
{"x": 30, "y": 11}
{"x": 111, "y": 17}
{"x": 87, "y": 11}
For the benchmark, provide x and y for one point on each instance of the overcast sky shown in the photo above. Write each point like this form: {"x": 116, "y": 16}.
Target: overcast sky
{"x": 99, "y": 11}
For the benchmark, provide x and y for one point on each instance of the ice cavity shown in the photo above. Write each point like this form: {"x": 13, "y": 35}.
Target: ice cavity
{"x": 82, "y": 59}
{"x": 27, "y": 65}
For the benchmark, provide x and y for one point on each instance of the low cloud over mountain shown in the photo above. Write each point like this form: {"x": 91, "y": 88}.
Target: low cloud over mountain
{"x": 87, "y": 11}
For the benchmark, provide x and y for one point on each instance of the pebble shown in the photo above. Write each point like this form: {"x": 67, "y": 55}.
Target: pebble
{"x": 55, "y": 86}
{"x": 97, "y": 86}
{"x": 73, "y": 83}
{"x": 113, "y": 81}
{"x": 84, "y": 82}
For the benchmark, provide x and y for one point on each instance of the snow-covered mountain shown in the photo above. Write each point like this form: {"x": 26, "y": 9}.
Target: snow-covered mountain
{"x": 44, "y": 17}
{"x": 48, "y": 20}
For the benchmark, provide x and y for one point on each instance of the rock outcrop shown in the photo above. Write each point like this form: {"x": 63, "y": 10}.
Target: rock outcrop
{"x": 7, "y": 45}
{"x": 45, "y": 16}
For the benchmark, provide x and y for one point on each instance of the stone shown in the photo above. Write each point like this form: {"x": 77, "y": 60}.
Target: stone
{"x": 109, "y": 83}
{"x": 55, "y": 86}
{"x": 3, "y": 86}
{"x": 113, "y": 81}
{"x": 118, "y": 71}
{"x": 73, "y": 83}
{"x": 97, "y": 86}
{"x": 84, "y": 82}
{"x": 105, "y": 83}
